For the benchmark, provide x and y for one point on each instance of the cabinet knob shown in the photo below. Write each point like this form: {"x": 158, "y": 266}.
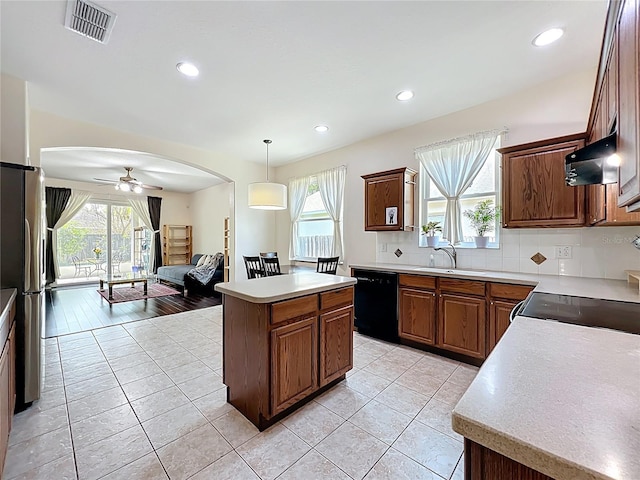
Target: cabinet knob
{"x": 505, "y": 225}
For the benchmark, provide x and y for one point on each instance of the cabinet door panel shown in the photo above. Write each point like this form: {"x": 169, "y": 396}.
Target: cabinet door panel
{"x": 4, "y": 403}
{"x": 381, "y": 193}
{"x": 628, "y": 36}
{"x": 500, "y": 311}
{"x": 294, "y": 363}
{"x": 336, "y": 344}
{"x": 417, "y": 320}
{"x": 534, "y": 189}
{"x": 461, "y": 324}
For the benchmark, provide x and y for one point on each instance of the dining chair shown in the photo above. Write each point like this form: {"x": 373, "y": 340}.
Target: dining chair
{"x": 254, "y": 267}
{"x": 269, "y": 254}
{"x": 271, "y": 266}
{"x": 327, "y": 265}
{"x": 81, "y": 268}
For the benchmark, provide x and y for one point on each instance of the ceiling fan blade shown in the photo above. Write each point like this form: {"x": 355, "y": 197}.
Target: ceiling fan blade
{"x": 105, "y": 180}
{"x": 151, "y": 187}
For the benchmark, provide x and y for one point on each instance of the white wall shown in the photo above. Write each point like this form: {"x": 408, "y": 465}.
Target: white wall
{"x": 176, "y": 208}
{"x": 49, "y": 130}
{"x": 209, "y": 207}
{"x": 555, "y": 108}
{"x": 14, "y": 120}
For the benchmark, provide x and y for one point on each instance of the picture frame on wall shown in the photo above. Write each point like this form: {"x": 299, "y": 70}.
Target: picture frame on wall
{"x": 391, "y": 215}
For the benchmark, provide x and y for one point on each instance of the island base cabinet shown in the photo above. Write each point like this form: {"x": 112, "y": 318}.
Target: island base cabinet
{"x": 336, "y": 344}
{"x": 461, "y": 324}
{"x": 499, "y": 312}
{"x": 481, "y": 463}
{"x": 294, "y": 361}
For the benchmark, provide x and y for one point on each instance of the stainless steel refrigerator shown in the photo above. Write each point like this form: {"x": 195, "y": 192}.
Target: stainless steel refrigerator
{"x": 22, "y": 266}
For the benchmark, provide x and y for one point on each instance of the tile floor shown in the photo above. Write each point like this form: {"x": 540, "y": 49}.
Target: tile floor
{"x": 145, "y": 400}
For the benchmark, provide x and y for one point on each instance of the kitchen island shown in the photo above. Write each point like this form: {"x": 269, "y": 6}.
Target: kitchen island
{"x": 287, "y": 339}
{"x": 554, "y": 401}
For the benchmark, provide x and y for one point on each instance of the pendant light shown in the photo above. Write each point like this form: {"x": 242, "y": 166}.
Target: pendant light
{"x": 267, "y": 195}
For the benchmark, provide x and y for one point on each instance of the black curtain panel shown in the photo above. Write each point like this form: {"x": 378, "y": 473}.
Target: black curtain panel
{"x": 57, "y": 200}
{"x": 154, "y": 212}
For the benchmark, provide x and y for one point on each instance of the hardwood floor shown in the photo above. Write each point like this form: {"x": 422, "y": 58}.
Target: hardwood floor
{"x": 72, "y": 310}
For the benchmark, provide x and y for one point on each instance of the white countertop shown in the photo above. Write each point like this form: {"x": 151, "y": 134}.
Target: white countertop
{"x": 562, "y": 399}
{"x": 618, "y": 290}
{"x": 283, "y": 287}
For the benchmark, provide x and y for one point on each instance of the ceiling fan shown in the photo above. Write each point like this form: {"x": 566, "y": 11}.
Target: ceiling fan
{"x": 128, "y": 183}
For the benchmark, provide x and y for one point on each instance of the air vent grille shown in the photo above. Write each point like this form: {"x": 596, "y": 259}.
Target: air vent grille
{"x": 89, "y": 20}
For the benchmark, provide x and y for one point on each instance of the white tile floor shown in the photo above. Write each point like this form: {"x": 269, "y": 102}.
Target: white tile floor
{"x": 145, "y": 400}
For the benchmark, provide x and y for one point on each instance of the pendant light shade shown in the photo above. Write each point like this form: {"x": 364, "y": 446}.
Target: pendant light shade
{"x": 267, "y": 195}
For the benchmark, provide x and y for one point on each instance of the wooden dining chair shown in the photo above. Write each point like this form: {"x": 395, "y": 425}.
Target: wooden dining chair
{"x": 269, "y": 254}
{"x": 254, "y": 267}
{"x": 327, "y": 265}
{"x": 271, "y": 266}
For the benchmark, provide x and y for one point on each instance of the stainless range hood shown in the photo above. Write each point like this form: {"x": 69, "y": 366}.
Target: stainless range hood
{"x": 594, "y": 164}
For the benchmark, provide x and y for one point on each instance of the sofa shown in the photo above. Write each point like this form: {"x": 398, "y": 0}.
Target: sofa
{"x": 177, "y": 275}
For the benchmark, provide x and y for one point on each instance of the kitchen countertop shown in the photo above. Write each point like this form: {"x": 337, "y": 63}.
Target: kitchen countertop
{"x": 562, "y": 399}
{"x": 7, "y": 297}
{"x": 283, "y": 287}
{"x": 606, "y": 289}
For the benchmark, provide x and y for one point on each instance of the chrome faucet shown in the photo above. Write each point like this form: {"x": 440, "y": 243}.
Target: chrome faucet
{"x": 453, "y": 255}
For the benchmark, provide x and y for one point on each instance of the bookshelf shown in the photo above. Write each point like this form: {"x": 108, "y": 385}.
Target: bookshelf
{"x": 177, "y": 244}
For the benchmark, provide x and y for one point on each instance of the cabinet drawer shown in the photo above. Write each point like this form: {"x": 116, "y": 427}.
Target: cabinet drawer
{"x": 297, "y": 307}
{"x": 511, "y": 292}
{"x": 336, "y": 298}
{"x": 418, "y": 281}
{"x": 462, "y": 286}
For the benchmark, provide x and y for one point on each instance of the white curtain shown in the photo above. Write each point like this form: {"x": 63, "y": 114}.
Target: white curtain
{"x": 453, "y": 165}
{"x": 331, "y": 184}
{"x": 141, "y": 208}
{"x": 76, "y": 202}
{"x": 298, "y": 188}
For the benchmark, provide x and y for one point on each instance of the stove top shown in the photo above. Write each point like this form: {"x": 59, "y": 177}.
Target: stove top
{"x": 591, "y": 312}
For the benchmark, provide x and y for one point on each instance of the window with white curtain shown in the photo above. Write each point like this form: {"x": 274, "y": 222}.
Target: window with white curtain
{"x": 317, "y": 232}
{"x": 485, "y": 186}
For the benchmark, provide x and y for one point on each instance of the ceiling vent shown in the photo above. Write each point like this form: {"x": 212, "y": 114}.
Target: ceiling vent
{"x": 89, "y": 20}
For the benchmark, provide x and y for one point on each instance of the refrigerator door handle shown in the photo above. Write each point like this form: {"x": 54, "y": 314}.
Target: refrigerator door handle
{"x": 27, "y": 255}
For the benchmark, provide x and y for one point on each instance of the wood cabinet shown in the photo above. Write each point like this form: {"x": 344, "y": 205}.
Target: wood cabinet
{"x": 603, "y": 209}
{"x": 277, "y": 355}
{"x": 417, "y": 319}
{"x": 533, "y": 185}
{"x": 481, "y": 463}
{"x": 461, "y": 324}
{"x": 627, "y": 41}
{"x": 384, "y": 191}
{"x": 177, "y": 241}
{"x": 7, "y": 370}
{"x": 504, "y": 298}
{"x": 336, "y": 344}
{"x": 294, "y": 363}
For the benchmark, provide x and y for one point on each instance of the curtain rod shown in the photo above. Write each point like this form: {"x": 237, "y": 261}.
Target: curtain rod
{"x": 485, "y": 133}
{"x": 316, "y": 173}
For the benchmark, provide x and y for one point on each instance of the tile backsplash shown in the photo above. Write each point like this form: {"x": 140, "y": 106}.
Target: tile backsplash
{"x": 597, "y": 252}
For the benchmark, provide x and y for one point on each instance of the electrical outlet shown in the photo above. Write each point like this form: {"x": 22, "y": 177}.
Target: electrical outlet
{"x": 383, "y": 247}
{"x": 563, "y": 251}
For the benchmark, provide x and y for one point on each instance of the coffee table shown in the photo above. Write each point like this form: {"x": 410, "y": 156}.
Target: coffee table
{"x": 122, "y": 278}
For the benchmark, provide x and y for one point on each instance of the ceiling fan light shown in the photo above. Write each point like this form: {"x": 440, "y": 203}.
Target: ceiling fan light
{"x": 267, "y": 196}
{"x": 125, "y": 187}
{"x": 137, "y": 189}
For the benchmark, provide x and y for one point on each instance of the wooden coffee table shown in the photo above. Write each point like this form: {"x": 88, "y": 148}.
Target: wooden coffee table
{"x": 120, "y": 279}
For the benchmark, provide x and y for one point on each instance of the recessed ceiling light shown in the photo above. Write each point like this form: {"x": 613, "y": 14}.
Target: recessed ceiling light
{"x": 404, "y": 95}
{"x": 188, "y": 69}
{"x": 548, "y": 36}
{"x": 321, "y": 128}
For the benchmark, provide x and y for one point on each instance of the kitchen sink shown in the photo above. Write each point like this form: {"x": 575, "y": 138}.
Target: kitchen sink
{"x": 453, "y": 271}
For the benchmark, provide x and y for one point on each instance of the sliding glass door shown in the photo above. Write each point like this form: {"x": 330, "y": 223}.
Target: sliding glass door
{"x": 103, "y": 238}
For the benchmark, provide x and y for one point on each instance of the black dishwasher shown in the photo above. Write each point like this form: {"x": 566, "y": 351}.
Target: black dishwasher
{"x": 376, "y": 304}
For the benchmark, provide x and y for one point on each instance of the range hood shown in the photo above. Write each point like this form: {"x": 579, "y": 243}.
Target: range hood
{"x": 594, "y": 164}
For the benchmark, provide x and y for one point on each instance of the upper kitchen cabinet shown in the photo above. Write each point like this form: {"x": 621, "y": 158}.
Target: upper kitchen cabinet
{"x": 388, "y": 200}
{"x": 533, "y": 185}
{"x": 627, "y": 39}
